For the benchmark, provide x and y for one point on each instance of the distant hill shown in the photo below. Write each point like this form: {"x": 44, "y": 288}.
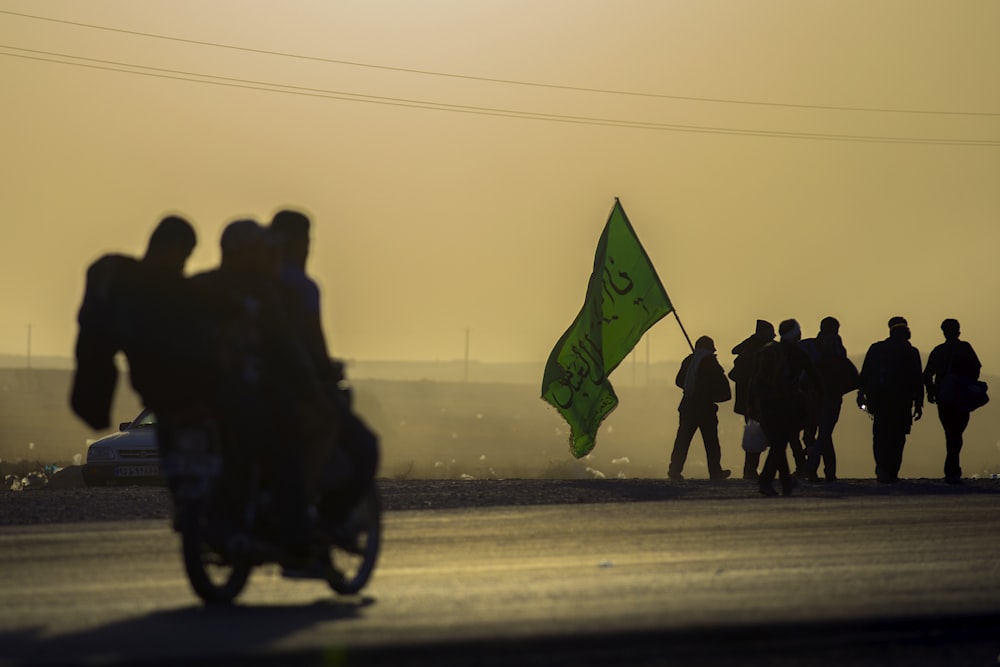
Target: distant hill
{"x": 495, "y": 425}
{"x": 628, "y": 373}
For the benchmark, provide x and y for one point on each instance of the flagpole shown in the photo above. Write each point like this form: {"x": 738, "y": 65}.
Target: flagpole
{"x": 673, "y": 309}
{"x": 683, "y": 331}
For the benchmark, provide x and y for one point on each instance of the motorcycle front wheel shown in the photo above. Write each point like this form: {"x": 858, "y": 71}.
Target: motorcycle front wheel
{"x": 353, "y": 563}
{"x": 213, "y": 576}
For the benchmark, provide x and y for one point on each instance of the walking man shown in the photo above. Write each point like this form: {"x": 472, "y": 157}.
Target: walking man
{"x": 783, "y": 373}
{"x": 839, "y": 376}
{"x": 704, "y": 384}
{"x": 741, "y": 375}
{"x": 892, "y": 390}
{"x": 955, "y": 360}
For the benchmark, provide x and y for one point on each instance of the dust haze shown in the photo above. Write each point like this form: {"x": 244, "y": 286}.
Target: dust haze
{"x": 486, "y": 421}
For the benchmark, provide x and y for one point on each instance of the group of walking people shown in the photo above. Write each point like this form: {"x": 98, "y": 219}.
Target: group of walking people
{"x": 793, "y": 390}
{"x": 238, "y": 350}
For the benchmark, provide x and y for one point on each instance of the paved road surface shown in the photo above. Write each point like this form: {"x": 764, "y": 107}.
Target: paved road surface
{"x": 800, "y": 581}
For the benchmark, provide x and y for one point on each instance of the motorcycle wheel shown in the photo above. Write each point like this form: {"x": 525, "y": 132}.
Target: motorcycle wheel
{"x": 213, "y": 577}
{"x": 353, "y": 564}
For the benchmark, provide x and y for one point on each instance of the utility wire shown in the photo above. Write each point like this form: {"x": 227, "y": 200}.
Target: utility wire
{"x": 196, "y": 77}
{"x": 499, "y": 80}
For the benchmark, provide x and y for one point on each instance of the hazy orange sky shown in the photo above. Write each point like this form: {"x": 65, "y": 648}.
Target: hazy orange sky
{"x": 777, "y": 158}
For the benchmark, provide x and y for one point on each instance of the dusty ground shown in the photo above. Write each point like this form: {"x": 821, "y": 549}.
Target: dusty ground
{"x": 64, "y": 498}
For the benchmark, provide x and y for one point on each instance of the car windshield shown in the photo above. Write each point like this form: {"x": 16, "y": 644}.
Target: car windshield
{"x": 147, "y": 418}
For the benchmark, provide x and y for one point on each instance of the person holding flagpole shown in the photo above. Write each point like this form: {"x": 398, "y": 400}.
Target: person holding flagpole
{"x": 704, "y": 383}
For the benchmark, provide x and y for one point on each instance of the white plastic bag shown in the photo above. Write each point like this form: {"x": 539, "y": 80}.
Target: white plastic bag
{"x": 754, "y": 440}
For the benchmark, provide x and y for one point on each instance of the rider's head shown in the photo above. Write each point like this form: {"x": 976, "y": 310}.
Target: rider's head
{"x": 246, "y": 247}
{"x": 170, "y": 244}
{"x": 292, "y": 230}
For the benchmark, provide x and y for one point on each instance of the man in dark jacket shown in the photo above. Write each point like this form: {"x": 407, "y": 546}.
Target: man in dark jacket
{"x": 891, "y": 389}
{"x": 265, "y": 375}
{"x": 704, "y": 384}
{"x": 740, "y": 375}
{"x": 839, "y": 376}
{"x": 954, "y": 358}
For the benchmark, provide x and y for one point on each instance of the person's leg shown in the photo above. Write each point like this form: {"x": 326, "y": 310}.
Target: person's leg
{"x": 895, "y": 441}
{"x": 686, "y": 428}
{"x": 751, "y": 461}
{"x": 879, "y": 435}
{"x": 785, "y": 474}
{"x": 775, "y": 454}
{"x": 813, "y": 439}
{"x": 828, "y": 417}
{"x": 798, "y": 452}
{"x": 768, "y": 470}
{"x": 709, "y": 427}
{"x": 954, "y": 420}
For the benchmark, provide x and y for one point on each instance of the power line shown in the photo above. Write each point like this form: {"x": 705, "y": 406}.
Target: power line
{"x": 686, "y": 98}
{"x": 211, "y": 79}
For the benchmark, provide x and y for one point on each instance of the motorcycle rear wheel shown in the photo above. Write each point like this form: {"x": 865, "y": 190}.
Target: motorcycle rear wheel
{"x": 353, "y": 565}
{"x": 214, "y": 578}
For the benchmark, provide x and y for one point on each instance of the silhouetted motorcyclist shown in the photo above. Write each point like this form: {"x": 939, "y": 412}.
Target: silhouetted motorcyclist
{"x": 346, "y": 454}
{"x": 264, "y": 375}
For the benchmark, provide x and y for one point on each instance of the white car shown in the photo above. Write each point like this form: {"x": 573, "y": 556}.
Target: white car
{"x": 130, "y": 456}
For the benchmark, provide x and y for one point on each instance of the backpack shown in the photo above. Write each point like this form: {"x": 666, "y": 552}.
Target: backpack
{"x": 836, "y": 370}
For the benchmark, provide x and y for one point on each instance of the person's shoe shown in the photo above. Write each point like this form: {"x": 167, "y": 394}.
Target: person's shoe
{"x": 953, "y": 480}
{"x": 787, "y": 485}
{"x": 830, "y": 479}
{"x": 676, "y": 476}
{"x": 806, "y": 476}
{"x": 721, "y": 474}
{"x": 750, "y": 476}
{"x": 767, "y": 490}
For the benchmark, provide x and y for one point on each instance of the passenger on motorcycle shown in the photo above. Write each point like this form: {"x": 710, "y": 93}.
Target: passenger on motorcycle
{"x": 264, "y": 377}
{"x": 344, "y": 457}
{"x": 147, "y": 309}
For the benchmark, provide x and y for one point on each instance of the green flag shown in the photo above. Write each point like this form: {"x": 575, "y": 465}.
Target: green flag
{"x": 624, "y": 298}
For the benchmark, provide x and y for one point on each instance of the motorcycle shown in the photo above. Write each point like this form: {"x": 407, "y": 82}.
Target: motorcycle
{"x": 226, "y": 534}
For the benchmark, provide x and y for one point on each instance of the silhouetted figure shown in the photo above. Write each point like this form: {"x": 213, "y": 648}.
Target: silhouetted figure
{"x": 740, "y": 375}
{"x": 891, "y": 389}
{"x": 956, "y": 358}
{"x": 264, "y": 374}
{"x": 144, "y": 308}
{"x": 291, "y": 231}
{"x": 704, "y": 384}
{"x": 838, "y": 376}
{"x": 782, "y": 372}
{"x": 345, "y": 456}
